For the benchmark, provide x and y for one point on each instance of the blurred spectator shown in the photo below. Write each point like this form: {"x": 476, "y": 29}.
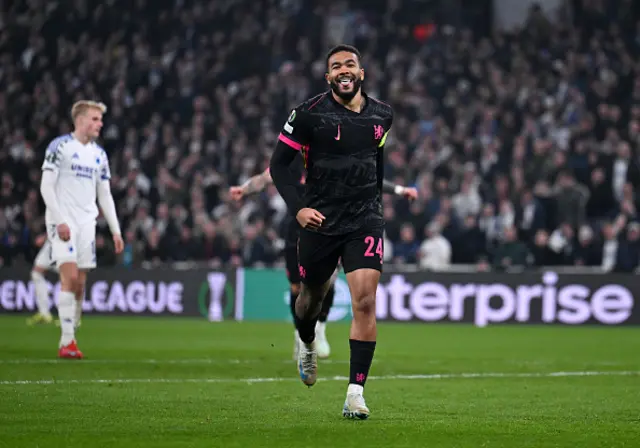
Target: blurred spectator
{"x": 470, "y": 244}
{"x": 435, "y": 251}
{"x": 629, "y": 252}
{"x": 468, "y": 201}
{"x": 587, "y": 252}
{"x": 406, "y": 250}
{"x": 530, "y": 216}
{"x": 571, "y": 199}
{"x": 511, "y": 253}
{"x": 541, "y": 254}
{"x": 561, "y": 243}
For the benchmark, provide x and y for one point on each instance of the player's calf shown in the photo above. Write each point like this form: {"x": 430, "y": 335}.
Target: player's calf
{"x": 69, "y": 280}
{"x": 307, "y": 309}
{"x": 363, "y": 284}
{"x": 294, "y": 291}
{"x": 79, "y": 294}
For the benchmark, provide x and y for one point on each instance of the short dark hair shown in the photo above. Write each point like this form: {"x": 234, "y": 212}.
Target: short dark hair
{"x": 343, "y": 47}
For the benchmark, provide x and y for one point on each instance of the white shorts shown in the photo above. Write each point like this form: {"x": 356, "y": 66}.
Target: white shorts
{"x": 44, "y": 259}
{"x": 80, "y": 249}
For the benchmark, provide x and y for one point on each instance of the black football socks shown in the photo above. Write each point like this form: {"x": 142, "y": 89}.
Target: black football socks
{"x": 360, "y": 362}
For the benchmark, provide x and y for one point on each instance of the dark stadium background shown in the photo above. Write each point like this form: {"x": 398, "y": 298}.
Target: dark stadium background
{"x": 535, "y": 129}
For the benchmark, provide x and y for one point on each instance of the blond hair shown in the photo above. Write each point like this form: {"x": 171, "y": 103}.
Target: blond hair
{"x": 80, "y": 107}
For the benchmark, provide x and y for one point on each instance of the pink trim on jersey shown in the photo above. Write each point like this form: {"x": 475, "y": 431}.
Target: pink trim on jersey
{"x": 317, "y": 101}
{"x": 378, "y": 101}
{"x": 286, "y": 140}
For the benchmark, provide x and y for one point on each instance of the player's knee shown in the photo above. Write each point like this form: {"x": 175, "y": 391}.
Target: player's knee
{"x": 69, "y": 278}
{"x": 364, "y": 304}
{"x": 294, "y": 288}
{"x": 363, "y": 284}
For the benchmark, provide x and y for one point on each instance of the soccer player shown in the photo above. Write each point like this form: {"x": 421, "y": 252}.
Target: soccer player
{"x": 75, "y": 171}
{"x": 341, "y": 134}
{"x": 41, "y": 265}
{"x": 258, "y": 183}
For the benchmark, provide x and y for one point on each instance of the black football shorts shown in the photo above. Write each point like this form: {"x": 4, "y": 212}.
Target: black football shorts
{"x": 318, "y": 255}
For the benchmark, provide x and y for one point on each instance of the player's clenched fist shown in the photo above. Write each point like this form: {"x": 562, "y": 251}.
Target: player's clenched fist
{"x": 236, "y": 193}
{"x": 63, "y": 232}
{"x": 309, "y": 218}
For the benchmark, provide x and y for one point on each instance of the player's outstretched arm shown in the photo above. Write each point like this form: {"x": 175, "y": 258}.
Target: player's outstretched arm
{"x": 399, "y": 190}
{"x": 255, "y": 184}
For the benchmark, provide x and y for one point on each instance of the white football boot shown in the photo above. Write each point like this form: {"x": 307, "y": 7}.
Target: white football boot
{"x": 355, "y": 407}
{"x": 308, "y": 363}
{"x": 322, "y": 345}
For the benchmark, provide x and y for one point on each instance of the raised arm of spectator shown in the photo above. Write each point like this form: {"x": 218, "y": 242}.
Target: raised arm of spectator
{"x": 254, "y": 184}
{"x": 399, "y": 190}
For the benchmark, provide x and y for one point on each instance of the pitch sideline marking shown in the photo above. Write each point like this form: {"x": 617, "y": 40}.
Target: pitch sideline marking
{"x": 207, "y": 361}
{"x": 434, "y": 376}
{"x": 160, "y": 361}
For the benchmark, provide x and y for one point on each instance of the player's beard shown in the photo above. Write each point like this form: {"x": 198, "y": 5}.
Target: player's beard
{"x": 346, "y": 96}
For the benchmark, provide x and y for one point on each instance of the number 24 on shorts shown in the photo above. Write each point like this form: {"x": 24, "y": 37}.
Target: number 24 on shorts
{"x": 370, "y": 242}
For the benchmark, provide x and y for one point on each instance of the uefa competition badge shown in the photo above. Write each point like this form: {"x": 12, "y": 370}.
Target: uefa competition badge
{"x": 216, "y": 289}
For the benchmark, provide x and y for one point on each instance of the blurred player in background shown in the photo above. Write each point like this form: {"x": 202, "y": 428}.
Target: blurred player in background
{"x": 341, "y": 134}
{"x": 75, "y": 172}
{"x": 41, "y": 265}
{"x": 257, "y": 184}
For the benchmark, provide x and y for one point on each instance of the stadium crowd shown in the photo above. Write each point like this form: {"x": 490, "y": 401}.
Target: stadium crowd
{"x": 524, "y": 145}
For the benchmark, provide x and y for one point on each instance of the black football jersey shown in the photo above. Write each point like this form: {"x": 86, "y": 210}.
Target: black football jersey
{"x": 342, "y": 153}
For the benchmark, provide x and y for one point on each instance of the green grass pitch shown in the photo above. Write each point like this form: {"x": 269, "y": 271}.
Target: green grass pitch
{"x": 160, "y": 382}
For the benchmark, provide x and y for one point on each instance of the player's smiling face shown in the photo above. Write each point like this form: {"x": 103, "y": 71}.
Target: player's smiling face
{"x": 345, "y": 74}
